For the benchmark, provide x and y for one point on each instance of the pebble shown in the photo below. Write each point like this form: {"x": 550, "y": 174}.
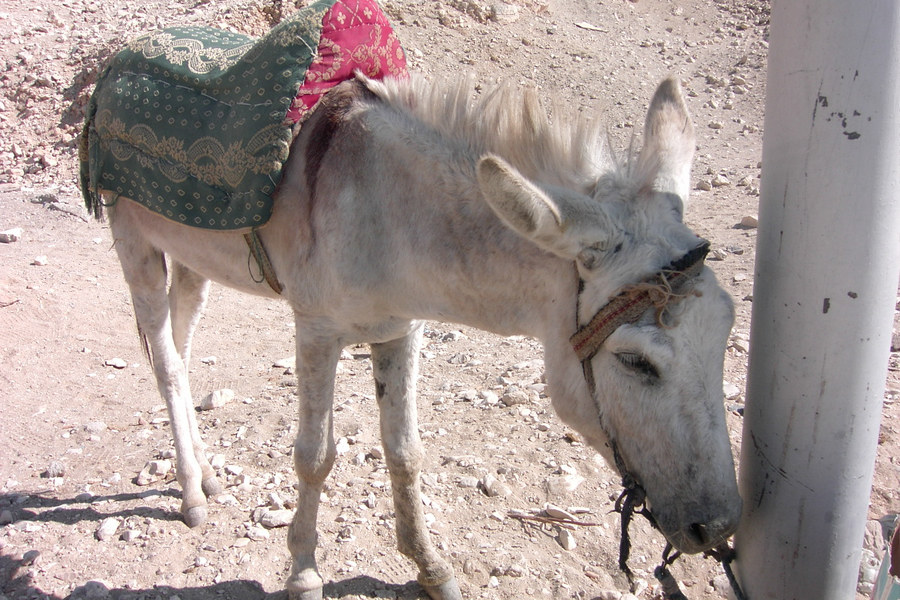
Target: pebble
{"x": 704, "y": 185}
{"x": 153, "y": 471}
{"x": 277, "y": 518}
{"x": 30, "y": 557}
{"x": 107, "y": 528}
{"x": 731, "y": 390}
{"x": 257, "y": 534}
{"x": 95, "y": 589}
{"x": 11, "y": 235}
{"x": 56, "y": 469}
{"x": 558, "y": 513}
{"x": 217, "y": 399}
{"x": 514, "y": 396}
{"x": 285, "y": 363}
{"x": 750, "y": 221}
{"x": 493, "y": 487}
{"x": 116, "y": 363}
{"x": 720, "y": 181}
{"x": 40, "y": 261}
{"x": 562, "y": 485}
{"x": 129, "y": 535}
{"x": 6, "y": 517}
{"x": 566, "y": 539}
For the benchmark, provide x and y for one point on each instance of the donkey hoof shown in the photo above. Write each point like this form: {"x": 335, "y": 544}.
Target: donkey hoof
{"x": 314, "y": 594}
{"x": 211, "y": 486}
{"x": 449, "y": 590}
{"x": 195, "y": 516}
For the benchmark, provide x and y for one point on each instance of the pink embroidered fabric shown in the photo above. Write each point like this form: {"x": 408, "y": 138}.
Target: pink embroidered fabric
{"x": 356, "y": 35}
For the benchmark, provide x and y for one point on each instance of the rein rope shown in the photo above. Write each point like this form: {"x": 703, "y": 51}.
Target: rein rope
{"x": 664, "y": 288}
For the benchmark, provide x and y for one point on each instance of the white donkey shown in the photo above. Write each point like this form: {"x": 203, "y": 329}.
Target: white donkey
{"x": 408, "y": 200}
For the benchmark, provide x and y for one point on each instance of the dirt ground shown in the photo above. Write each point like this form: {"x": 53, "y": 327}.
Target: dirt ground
{"x": 78, "y": 426}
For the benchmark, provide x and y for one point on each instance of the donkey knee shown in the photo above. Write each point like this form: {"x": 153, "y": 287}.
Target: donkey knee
{"x": 313, "y": 463}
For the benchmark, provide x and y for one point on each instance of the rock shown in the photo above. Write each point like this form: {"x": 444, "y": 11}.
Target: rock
{"x": 209, "y": 360}
{"x": 257, "y": 533}
{"x": 6, "y": 517}
{"x": 107, "y": 529}
{"x": 217, "y": 399}
{"x": 95, "y": 427}
{"x": 720, "y": 181}
{"x": 30, "y": 557}
{"x": 153, "y": 471}
{"x": 563, "y": 485}
{"x": 557, "y": 513}
{"x": 40, "y": 261}
{"x": 502, "y": 12}
{"x": 116, "y": 363}
{"x": 514, "y": 396}
{"x": 56, "y": 469}
{"x": 704, "y": 185}
{"x": 731, "y": 390}
{"x": 493, "y": 487}
{"x": 739, "y": 277}
{"x": 11, "y": 235}
{"x": 750, "y": 221}
{"x": 566, "y": 539}
{"x": 277, "y": 518}
{"x": 286, "y": 363}
{"x": 467, "y": 481}
{"x": 129, "y": 535}
{"x": 716, "y": 125}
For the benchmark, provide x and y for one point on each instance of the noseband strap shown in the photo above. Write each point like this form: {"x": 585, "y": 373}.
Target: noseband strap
{"x": 630, "y": 304}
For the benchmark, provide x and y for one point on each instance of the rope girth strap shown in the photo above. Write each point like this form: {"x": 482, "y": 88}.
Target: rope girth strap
{"x": 258, "y": 251}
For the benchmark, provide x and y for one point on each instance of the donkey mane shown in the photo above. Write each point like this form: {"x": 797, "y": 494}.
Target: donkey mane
{"x": 555, "y": 146}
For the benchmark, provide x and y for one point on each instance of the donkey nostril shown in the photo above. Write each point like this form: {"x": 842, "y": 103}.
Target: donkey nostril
{"x": 700, "y": 533}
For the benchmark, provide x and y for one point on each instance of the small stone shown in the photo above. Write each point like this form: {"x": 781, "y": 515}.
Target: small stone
{"x": 107, "y": 529}
{"x": 56, "y": 469}
{"x": 285, "y": 363}
{"x": 153, "y": 471}
{"x": 6, "y": 517}
{"x": 95, "y": 427}
{"x": 342, "y": 446}
{"x": 704, "y": 185}
{"x": 30, "y": 557}
{"x": 468, "y": 481}
{"x": 11, "y": 235}
{"x": 514, "y": 396}
{"x": 129, "y": 535}
{"x": 217, "y": 399}
{"x": 557, "y": 513}
{"x": 277, "y": 518}
{"x": 257, "y": 533}
{"x": 750, "y": 221}
{"x": 40, "y": 261}
{"x": 116, "y": 363}
{"x": 720, "y": 181}
{"x": 731, "y": 390}
{"x": 241, "y": 542}
{"x": 209, "y": 360}
{"x": 376, "y": 452}
{"x": 234, "y": 469}
{"x": 739, "y": 277}
{"x": 566, "y": 539}
{"x": 493, "y": 487}
{"x": 562, "y": 485}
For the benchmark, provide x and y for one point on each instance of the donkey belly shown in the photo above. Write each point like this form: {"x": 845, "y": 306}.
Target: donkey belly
{"x": 221, "y": 256}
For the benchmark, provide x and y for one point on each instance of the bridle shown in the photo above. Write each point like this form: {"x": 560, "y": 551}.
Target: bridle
{"x": 668, "y": 285}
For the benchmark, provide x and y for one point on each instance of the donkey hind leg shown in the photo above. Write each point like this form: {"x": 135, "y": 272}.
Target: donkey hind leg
{"x": 314, "y": 453}
{"x": 144, "y": 268}
{"x": 395, "y": 366}
{"x": 187, "y": 298}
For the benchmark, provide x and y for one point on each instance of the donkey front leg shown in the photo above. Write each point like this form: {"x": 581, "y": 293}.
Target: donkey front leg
{"x": 144, "y": 268}
{"x": 187, "y": 298}
{"x": 395, "y": 366}
{"x": 314, "y": 453}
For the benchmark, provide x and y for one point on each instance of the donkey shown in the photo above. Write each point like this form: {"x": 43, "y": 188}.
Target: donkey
{"x": 406, "y": 200}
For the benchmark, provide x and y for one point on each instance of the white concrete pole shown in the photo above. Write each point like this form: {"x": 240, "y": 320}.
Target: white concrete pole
{"x": 827, "y": 263}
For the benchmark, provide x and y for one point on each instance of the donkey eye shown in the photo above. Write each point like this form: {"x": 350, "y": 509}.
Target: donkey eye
{"x": 638, "y": 363}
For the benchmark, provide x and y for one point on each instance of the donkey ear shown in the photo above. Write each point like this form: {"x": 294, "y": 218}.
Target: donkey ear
{"x": 664, "y": 164}
{"x": 520, "y": 203}
{"x": 568, "y": 225}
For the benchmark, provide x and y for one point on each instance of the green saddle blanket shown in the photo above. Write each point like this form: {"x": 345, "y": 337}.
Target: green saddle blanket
{"x": 192, "y": 123}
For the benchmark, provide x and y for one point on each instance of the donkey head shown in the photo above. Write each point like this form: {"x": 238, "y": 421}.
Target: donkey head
{"x": 655, "y": 395}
